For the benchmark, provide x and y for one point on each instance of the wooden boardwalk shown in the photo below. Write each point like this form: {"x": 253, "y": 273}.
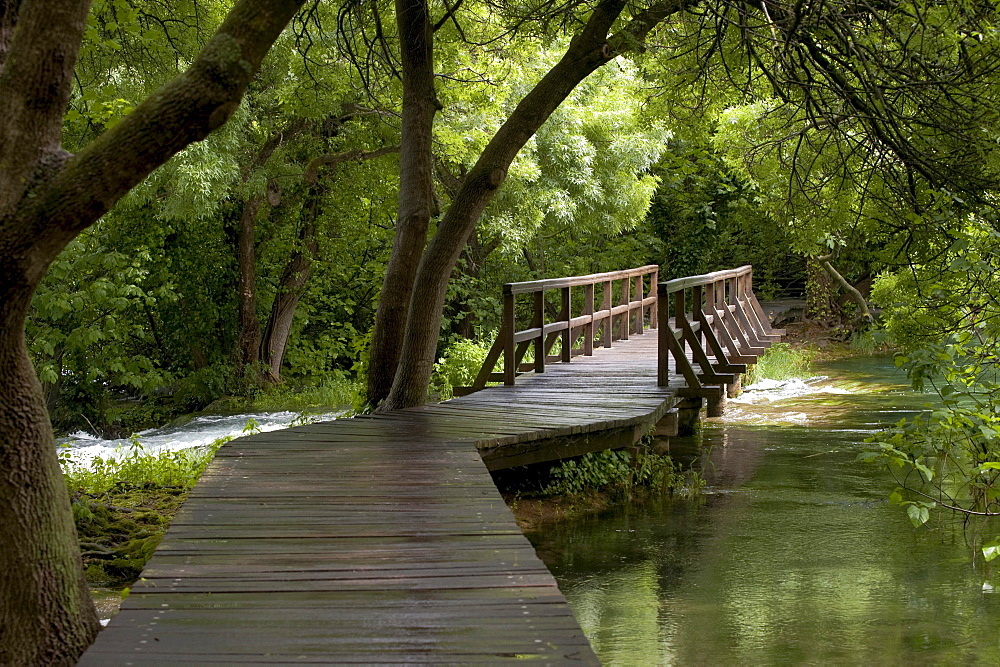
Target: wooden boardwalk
{"x": 381, "y": 539}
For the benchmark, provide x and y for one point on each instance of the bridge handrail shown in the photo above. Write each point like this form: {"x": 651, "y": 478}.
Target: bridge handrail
{"x": 528, "y": 286}
{"x": 614, "y": 321}
{"x": 705, "y": 279}
{"x": 718, "y": 316}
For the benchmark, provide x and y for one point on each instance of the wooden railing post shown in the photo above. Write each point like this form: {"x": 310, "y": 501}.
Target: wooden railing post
{"x": 567, "y": 335}
{"x": 588, "y": 328}
{"x": 654, "y": 281}
{"x": 638, "y": 297}
{"x": 625, "y": 321}
{"x": 662, "y": 331}
{"x": 607, "y": 328}
{"x": 507, "y": 333}
{"x": 697, "y": 301}
{"x": 539, "y": 321}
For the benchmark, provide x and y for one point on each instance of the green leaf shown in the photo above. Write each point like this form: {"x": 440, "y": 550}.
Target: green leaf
{"x": 991, "y": 549}
{"x": 918, "y": 513}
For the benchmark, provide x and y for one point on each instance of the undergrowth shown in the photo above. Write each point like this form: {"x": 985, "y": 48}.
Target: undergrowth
{"x": 780, "y": 362}
{"x": 122, "y": 504}
{"x": 624, "y": 473}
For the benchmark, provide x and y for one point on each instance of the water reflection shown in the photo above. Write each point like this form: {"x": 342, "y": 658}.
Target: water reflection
{"x": 793, "y": 557}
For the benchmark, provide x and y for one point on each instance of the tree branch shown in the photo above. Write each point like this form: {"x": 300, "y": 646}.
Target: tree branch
{"x": 356, "y": 154}
{"x": 181, "y": 112}
{"x": 35, "y": 86}
{"x": 852, "y": 291}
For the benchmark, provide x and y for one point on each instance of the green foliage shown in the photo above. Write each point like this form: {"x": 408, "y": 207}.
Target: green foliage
{"x": 458, "y": 367}
{"x": 708, "y": 219}
{"x": 946, "y": 317}
{"x": 137, "y": 467}
{"x": 622, "y": 472}
{"x": 780, "y": 362}
{"x": 334, "y": 391}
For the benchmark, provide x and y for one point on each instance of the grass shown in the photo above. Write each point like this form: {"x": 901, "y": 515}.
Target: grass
{"x": 123, "y": 504}
{"x": 780, "y": 362}
{"x": 333, "y": 393}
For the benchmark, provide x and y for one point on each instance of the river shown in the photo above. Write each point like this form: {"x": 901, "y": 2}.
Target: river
{"x": 793, "y": 556}
{"x": 199, "y": 431}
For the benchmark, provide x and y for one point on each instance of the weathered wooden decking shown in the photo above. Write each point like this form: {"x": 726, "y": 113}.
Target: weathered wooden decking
{"x": 381, "y": 539}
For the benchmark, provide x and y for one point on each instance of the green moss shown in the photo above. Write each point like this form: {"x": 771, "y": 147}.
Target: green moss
{"x": 120, "y": 529}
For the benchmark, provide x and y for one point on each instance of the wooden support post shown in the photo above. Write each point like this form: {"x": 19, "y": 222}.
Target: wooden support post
{"x": 625, "y": 321}
{"x": 679, "y": 315}
{"x": 588, "y": 328}
{"x": 697, "y": 298}
{"x": 567, "y": 335}
{"x": 507, "y": 332}
{"x": 654, "y": 280}
{"x": 715, "y": 405}
{"x": 662, "y": 332}
{"x": 735, "y": 388}
{"x": 607, "y": 327}
{"x": 688, "y": 415}
{"x": 539, "y": 321}
{"x": 638, "y": 312}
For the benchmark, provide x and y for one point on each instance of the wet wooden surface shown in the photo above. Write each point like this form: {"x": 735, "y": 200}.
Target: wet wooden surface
{"x": 377, "y": 539}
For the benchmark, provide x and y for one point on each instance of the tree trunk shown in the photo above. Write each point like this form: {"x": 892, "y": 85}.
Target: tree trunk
{"x": 821, "y": 302}
{"x": 853, "y": 294}
{"x": 248, "y": 341}
{"x": 416, "y": 194}
{"x": 46, "y": 614}
{"x": 47, "y": 197}
{"x": 588, "y": 51}
{"x": 290, "y": 290}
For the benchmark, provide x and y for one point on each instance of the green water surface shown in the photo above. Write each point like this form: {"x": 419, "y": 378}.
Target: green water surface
{"x": 793, "y": 556}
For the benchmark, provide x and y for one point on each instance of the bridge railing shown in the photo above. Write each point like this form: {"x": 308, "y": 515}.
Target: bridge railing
{"x": 716, "y": 316}
{"x": 626, "y": 300}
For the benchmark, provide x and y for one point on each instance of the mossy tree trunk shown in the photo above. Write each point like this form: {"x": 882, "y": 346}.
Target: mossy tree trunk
{"x": 47, "y": 197}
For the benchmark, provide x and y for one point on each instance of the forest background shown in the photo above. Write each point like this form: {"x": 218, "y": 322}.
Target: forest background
{"x": 374, "y": 178}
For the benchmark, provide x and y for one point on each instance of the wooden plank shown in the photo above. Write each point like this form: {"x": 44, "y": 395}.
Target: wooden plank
{"x": 383, "y": 538}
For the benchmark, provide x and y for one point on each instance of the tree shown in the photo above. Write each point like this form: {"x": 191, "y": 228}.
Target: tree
{"x": 405, "y": 338}
{"x": 47, "y": 197}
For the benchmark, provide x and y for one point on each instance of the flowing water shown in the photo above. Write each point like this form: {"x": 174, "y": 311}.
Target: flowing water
{"x": 792, "y": 557}
{"x": 198, "y": 432}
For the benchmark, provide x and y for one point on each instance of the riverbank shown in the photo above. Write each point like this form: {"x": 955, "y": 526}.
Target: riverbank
{"x": 534, "y": 514}
{"x": 806, "y": 343}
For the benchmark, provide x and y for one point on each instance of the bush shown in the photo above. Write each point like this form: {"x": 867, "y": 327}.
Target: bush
{"x": 780, "y": 362}
{"x": 458, "y": 367}
{"x": 617, "y": 471}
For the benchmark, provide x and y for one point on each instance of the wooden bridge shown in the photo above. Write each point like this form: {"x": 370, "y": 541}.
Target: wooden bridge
{"x": 383, "y": 538}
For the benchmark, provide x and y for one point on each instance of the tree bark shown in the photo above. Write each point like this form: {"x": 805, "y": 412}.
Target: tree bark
{"x": 248, "y": 342}
{"x": 590, "y": 49}
{"x": 47, "y": 197}
{"x": 46, "y": 614}
{"x": 864, "y": 313}
{"x": 290, "y": 290}
{"x": 248, "y": 339}
{"x": 293, "y": 281}
{"x": 416, "y": 194}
